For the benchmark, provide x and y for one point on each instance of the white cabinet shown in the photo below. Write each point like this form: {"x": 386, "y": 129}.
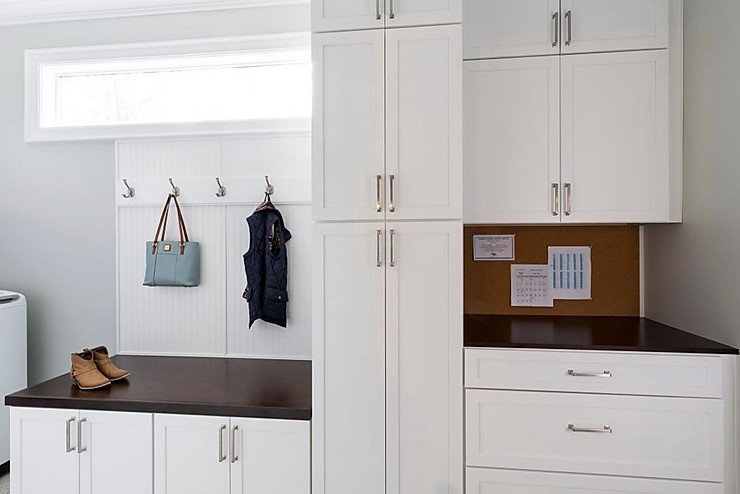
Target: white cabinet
{"x": 590, "y": 145}
{"x": 388, "y": 124}
{"x": 387, "y": 362}
{"x": 347, "y": 15}
{"x": 221, "y": 455}
{"x": 552, "y": 421}
{"x": 80, "y": 452}
{"x": 515, "y": 28}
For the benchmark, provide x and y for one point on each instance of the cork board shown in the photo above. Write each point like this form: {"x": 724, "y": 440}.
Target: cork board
{"x": 615, "y": 260}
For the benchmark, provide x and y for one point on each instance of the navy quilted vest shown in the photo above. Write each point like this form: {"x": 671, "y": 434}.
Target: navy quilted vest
{"x": 266, "y": 266}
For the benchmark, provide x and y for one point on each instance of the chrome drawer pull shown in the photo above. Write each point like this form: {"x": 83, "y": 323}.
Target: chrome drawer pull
{"x": 221, "y": 454}
{"x": 573, "y": 373}
{"x": 596, "y": 430}
{"x": 68, "y": 428}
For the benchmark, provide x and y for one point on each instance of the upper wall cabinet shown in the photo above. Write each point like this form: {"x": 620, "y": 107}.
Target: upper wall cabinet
{"x": 577, "y": 139}
{"x": 513, "y": 28}
{"x": 349, "y": 15}
{"x": 388, "y": 124}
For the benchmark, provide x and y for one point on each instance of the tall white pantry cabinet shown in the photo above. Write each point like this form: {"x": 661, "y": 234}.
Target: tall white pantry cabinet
{"x": 387, "y": 280}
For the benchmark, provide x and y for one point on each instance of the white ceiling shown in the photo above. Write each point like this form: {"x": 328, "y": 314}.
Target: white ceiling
{"x": 27, "y": 11}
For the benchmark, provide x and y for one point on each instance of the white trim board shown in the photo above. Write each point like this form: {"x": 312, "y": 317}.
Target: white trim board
{"x": 32, "y": 11}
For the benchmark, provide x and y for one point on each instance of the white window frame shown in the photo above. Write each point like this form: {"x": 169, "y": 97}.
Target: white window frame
{"x": 35, "y": 59}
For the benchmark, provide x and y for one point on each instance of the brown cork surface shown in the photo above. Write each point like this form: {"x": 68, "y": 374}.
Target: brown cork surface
{"x": 615, "y": 261}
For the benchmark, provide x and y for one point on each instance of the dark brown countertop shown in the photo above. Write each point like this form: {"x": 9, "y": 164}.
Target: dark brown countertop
{"x": 633, "y": 334}
{"x": 278, "y": 389}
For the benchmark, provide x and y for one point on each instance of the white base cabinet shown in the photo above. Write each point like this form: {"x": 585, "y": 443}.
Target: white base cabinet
{"x": 566, "y": 422}
{"x": 64, "y": 451}
{"x": 197, "y": 454}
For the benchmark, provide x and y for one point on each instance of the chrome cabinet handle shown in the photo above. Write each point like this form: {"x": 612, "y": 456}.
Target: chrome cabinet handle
{"x": 377, "y": 10}
{"x": 573, "y": 373}
{"x": 392, "y": 13}
{"x": 393, "y": 250}
{"x": 568, "y": 199}
{"x": 70, "y": 448}
{"x": 556, "y": 28}
{"x": 221, "y": 455}
{"x": 378, "y": 185}
{"x": 234, "y": 457}
{"x": 80, "y": 448}
{"x": 569, "y": 21}
{"x": 605, "y": 429}
{"x": 378, "y": 236}
{"x": 555, "y": 199}
{"x": 391, "y": 206}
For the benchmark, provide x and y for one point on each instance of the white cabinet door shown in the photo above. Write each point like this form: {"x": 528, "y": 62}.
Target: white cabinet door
{"x": 493, "y": 481}
{"x": 406, "y": 13}
{"x": 348, "y": 126}
{"x": 191, "y": 454}
{"x": 117, "y": 452}
{"x": 614, "y": 25}
{"x": 424, "y": 123}
{"x": 512, "y": 140}
{"x": 349, "y": 358}
{"x": 511, "y": 28}
{"x": 424, "y": 358}
{"x": 350, "y": 15}
{"x": 344, "y": 15}
{"x": 43, "y": 450}
{"x": 615, "y": 137}
{"x": 270, "y": 456}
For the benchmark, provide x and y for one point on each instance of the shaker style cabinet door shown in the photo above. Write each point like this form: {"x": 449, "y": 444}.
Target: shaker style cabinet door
{"x": 348, "y": 126}
{"x": 346, "y": 15}
{"x": 615, "y": 137}
{"x": 43, "y": 450}
{"x": 613, "y": 25}
{"x": 191, "y": 454}
{"x": 270, "y": 456}
{"x": 111, "y": 440}
{"x": 349, "y": 358}
{"x": 512, "y": 140}
{"x": 408, "y": 13}
{"x": 424, "y": 357}
{"x": 351, "y": 15}
{"x": 511, "y": 28}
{"x": 424, "y": 123}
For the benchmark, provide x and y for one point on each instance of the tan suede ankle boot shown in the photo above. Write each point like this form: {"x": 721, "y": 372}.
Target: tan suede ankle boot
{"x": 106, "y": 366}
{"x": 85, "y": 373}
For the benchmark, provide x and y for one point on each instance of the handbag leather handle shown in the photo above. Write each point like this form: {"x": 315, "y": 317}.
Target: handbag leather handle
{"x": 162, "y": 226}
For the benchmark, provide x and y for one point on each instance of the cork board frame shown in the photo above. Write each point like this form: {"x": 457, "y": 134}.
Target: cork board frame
{"x": 615, "y": 259}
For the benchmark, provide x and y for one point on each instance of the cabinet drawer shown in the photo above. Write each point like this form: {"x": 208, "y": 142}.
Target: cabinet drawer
{"x": 595, "y": 372}
{"x": 492, "y": 481}
{"x": 675, "y": 438}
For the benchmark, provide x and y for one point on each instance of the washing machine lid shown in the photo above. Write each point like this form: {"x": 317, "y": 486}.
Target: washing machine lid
{"x": 10, "y": 299}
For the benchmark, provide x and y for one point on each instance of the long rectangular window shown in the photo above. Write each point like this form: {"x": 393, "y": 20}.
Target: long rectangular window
{"x": 212, "y": 86}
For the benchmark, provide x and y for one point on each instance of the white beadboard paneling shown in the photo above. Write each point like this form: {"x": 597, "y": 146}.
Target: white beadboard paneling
{"x": 263, "y": 339}
{"x": 171, "y": 319}
{"x": 179, "y": 158}
{"x": 274, "y": 155}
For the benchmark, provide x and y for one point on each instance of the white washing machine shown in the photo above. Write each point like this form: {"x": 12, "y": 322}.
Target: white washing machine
{"x": 13, "y": 372}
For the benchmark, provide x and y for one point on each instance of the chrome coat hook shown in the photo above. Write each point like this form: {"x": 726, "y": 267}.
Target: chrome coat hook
{"x": 131, "y": 191}
{"x": 175, "y": 189}
{"x": 269, "y": 190}
{"x": 221, "y": 189}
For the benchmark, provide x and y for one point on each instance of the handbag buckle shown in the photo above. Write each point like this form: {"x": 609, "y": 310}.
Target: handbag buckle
{"x": 167, "y": 247}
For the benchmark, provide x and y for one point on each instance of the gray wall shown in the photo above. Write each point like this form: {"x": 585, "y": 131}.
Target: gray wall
{"x": 57, "y": 223}
{"x": 692, "y": 270}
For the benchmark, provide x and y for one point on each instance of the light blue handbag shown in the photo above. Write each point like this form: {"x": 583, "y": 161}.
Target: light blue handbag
{"x": 172, "y": 263}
